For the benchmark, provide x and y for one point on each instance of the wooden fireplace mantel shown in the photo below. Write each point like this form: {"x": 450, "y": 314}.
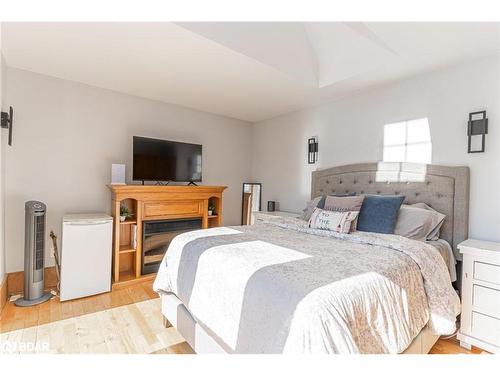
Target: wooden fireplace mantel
{"x": 148, "y": 202}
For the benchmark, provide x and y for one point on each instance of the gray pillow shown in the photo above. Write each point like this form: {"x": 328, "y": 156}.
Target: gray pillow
{"x": 419, "y": 222}
{"x": 345, "y": 203}
{"x": 308, "y": 211}
{"x": 320, "y": 203}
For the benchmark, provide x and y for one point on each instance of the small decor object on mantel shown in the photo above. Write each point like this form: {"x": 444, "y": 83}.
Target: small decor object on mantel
{"x": 211, "y": 209}
{"x": 124, "y": 213}
{"x": 271, "y": 206}
{"x": 117, "y": 174}
{"x": 477, "y": 128}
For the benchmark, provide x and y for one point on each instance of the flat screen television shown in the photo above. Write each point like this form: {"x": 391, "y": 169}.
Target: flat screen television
{"x": 160, "y": 160}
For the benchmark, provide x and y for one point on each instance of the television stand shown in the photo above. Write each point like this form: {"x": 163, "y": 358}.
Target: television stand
{"x": 155, "y": 203}
{"x": 192, "y": 183}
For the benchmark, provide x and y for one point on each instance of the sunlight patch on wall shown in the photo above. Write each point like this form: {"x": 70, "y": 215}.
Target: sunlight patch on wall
{"x": 408, "y": 141}
{"x": 400, "y": 172}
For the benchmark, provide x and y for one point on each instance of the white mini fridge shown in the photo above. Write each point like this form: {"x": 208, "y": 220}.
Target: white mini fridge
{"x": 86, "y": 255}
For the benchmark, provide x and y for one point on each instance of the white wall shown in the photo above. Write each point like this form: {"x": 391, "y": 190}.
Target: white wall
{"x": 66, "y": 136}
{"x": 351, "y": 131}
{"x": 3, "y": 107}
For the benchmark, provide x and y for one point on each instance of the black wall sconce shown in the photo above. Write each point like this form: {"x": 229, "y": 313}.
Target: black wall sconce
{"x": 312, "y": 150}
{"x": 477, "y": 127}
{"x": 6, "y": 122}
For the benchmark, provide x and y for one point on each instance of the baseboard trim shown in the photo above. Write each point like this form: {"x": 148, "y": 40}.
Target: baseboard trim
{"x": 132, "y": 282}
{"x": 3, "y": 292}
{"x": 15, "y": 280}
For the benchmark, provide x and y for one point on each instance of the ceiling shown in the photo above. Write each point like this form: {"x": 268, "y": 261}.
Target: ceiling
{"x": 249, "y": 71}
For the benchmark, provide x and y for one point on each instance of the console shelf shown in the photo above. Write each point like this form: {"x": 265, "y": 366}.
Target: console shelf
{"x": 128, "y": 222}
{"x": 147, "y": 203}
{"x": 126, "y": 249}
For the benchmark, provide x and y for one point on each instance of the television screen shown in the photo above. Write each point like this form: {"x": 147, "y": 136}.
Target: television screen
{"x": 159, "y": 160}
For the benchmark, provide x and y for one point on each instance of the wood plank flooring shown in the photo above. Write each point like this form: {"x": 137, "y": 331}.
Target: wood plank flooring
{"x": 134, "y": 329}
{"x": 123, "y": 321}
{"x": 126, "y": 320}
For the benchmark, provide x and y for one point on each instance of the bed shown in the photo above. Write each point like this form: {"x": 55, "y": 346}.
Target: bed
{"x": 281, "y": 287}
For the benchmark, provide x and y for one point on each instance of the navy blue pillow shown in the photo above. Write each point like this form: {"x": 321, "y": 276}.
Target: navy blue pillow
{"x": 379, "y": 213}
{"x": 321, "y": 203}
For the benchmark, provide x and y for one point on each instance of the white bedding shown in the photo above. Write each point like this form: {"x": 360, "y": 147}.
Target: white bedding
{"x": 280, "y": 287}
{"x": 446, "y": 252}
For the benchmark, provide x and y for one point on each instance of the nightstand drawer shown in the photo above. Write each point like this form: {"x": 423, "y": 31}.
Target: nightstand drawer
{"x": 487, "y": 272}
{"x": 486, "y": 301}
{"x": 486, "y": 328}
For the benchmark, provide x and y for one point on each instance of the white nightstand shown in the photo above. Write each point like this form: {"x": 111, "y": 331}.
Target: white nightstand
{"x": 480, "y": 320}
{"x": 261, "y": 215}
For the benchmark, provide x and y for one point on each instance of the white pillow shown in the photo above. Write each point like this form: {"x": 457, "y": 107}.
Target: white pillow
{"x": 336, "y": 221}
{"x": 419, "y": 222}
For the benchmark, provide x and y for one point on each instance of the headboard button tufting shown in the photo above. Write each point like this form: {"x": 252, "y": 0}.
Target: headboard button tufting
{"x": 414, "y": 183}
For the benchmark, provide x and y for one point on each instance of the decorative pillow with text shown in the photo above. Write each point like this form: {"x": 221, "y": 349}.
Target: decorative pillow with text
{"x": 337, "y": 221}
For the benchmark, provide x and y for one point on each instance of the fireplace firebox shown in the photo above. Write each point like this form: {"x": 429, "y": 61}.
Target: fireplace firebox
{"x": 156, "y": 238}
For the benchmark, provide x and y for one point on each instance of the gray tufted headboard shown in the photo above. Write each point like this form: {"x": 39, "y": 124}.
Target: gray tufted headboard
{"x": 446, "y": 189}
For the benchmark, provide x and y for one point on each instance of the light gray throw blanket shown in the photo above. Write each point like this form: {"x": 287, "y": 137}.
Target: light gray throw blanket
{"x": 281, "y": 287}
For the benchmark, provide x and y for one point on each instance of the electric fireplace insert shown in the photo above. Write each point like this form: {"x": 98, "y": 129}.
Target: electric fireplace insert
{"x": 156, "y": 238}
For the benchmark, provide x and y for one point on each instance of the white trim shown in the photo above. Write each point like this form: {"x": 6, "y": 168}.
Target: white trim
{"x": 466, "y": 341}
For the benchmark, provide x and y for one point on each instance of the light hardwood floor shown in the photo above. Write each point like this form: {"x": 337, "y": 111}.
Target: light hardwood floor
{"x": 123, "y": 321}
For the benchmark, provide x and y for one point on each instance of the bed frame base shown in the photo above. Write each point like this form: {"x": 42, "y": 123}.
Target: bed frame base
{"x": 177, "y": 315}
{"x": 166, "y": 322}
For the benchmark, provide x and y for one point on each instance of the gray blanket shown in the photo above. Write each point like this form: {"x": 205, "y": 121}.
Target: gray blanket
{"x": 280, "y": 287}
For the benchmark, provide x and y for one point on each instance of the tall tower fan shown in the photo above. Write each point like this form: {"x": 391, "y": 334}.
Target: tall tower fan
{"x": 34, "y": 253}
